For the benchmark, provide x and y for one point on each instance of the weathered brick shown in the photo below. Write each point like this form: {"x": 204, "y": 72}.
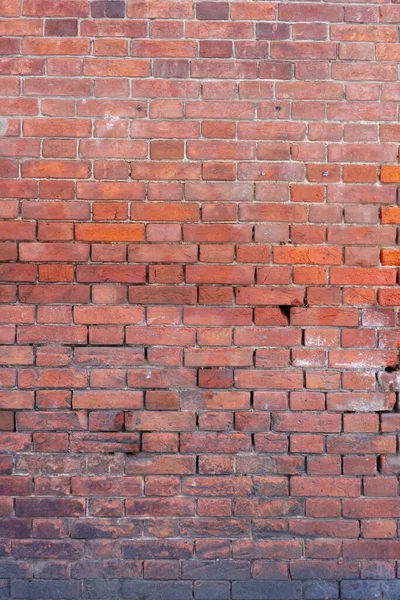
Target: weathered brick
{"x": 243, "y": 590}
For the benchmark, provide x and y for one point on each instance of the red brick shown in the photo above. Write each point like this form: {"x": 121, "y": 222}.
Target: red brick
{"x": 54, "y": 378}
{"x": 264, "y": 296}
{"x": 106, "y": 486}
{"x": 68, "y": 294}
{"x": 56, "y": 252}
{"x": 163, "y": 294}
{"x": 56, "y": 168}
{"x": 52, "y": 333}
{"x": 114, "y": 67}
{"x": 225, "y": 443}
{"x": 326, "y": 486}
{"x": 165, "y": 170}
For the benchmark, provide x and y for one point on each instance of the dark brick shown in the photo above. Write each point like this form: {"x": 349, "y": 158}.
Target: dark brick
{"x": 114, "y": 9}
{"x": 321, "y": 590}
{"x": 105, "y": 528}
{"x": 48, "y": 549}
{"x": 378, "y": 569}
{"x": 370, "y": 590}
{"x": 212, "y": 590}
{"x": 266, "y": 590}
{"x": 61, "y": 27}
{"x": 96, "y": 589}
{"x": 87, "y": 569}
{"x": 156, "y": 590}
{"x": 5, "y": 548}
{"x": 323, "y": 569}
{"x": 49, "y": 507}
{"x": 41, "y": 589}
{"x": 51, "y": 570}
{"x": 272, "y": 31}
{"x": 15, "y": 528}
{"x": 171, "y": 68}
{"x": 13, "y": 569}
{"x": 97, "y": 9}
{"x": 4, "y": 589}
{"x": 212, "y": 11}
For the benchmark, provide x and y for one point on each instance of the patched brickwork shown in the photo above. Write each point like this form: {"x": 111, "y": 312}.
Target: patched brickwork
{"x": 199, "y": 300}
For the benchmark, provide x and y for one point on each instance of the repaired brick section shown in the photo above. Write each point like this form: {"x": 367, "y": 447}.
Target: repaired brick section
{"x": 199, "y": 362}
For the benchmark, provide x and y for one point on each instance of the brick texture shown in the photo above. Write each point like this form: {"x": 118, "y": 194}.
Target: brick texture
{"x": 199, "y": 300}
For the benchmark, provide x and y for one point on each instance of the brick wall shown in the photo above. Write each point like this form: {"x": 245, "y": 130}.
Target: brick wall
{"x": 199, "y": 300}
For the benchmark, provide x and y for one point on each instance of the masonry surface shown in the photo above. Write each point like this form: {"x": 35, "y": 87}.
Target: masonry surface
{"x": 199, "y": 300}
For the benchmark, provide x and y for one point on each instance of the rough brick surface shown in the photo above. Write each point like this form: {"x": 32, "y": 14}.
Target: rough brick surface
{"x": 199, "y": 300}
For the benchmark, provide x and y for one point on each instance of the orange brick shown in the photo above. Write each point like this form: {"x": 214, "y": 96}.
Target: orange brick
{"x": 390, "y": 174}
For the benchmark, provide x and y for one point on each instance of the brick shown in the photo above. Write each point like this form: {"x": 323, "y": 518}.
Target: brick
{"x": 369, "y": 445}
{"x": 260, "y": 213}
{"x": 112, "y": 67}
{"x": 111, "y": 273}
{"x": 163, "y": 294}
{"x": 57, "y": 378}
{"x": 309, "y": 423}
{"x": 165, "y": 171}
{"x": 115, "y": 148}
{"x": 166, "y": 212}
{"x": 264, "y": 296}
{"x": 367, "y": 549}
{"x": 55, "y": 294}
{"x": 113, "y": 9}
{"x": 390, "y": 174}
{"x": 325, "y": 486}
{"x": 257, "y": 589}
{"x": 160, "y": 421}
{"x": 157, "y": 589}
{"x": 108, "y": 356}
{"x": 55, "y": 46}
{"x": 61, "y": 27}
{"x": 104, "y": 442}
{"x": 110, "y": 191}
{"x": 308, "y": 255}
{"x": 325, "y": 569}
{"x": 109, "y": 232}
{"x": 219, "y": 171}
{"x": 56, "y": 252}
{"x": 49, "y": 507}
{"x": 352, "y": 589}
{"x": 58, "y": 169}
{"x": 107, "y": 399}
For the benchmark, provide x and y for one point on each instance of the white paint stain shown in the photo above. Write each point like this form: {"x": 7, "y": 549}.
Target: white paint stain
{"x": 3, "y": 125}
